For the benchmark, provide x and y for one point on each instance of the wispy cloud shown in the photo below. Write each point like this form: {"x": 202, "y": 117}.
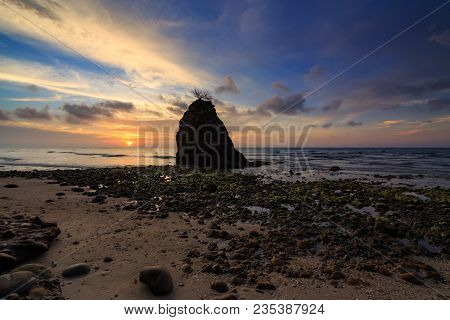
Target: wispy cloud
{"x": 315, "y": 72}
{"x": 442, "y": 38}
{"x": 228, "y": 85}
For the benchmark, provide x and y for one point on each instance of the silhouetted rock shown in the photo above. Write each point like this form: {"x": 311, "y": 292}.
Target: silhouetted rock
{"x": 203, "y": 140}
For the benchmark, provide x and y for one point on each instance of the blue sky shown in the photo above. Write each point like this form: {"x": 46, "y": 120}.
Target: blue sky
{"x": 256, "y": 57}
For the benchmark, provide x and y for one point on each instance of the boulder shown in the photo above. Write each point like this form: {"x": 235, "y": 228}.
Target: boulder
{"x": 39, "y": 270}
{"x": 157, "y": 279}
{"x": 16, "y": 282}
{"x": 203, "y": 140}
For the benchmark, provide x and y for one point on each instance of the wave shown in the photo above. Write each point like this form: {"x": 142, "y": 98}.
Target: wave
{"x": 104, "y": 155}
{"x": 9, "y": 159}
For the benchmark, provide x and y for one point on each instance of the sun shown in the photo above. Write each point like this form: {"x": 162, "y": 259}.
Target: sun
{"x": 129, "y": 143}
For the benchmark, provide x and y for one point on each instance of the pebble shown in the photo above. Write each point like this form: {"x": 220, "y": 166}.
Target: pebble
{"x": 187, "y": 268}
{"x": 107, "y": 259}
{"x": 408, "y": 277}
{"x": 157, "y": 279}
{"x": 11, "y": 186}
{"x": 219, "y": 286}
{"x": 78, "y": 269}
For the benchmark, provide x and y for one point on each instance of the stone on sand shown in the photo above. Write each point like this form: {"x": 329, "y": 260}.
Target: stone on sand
{"x": 157, "y": 279}
{"x": 77, "y": 269}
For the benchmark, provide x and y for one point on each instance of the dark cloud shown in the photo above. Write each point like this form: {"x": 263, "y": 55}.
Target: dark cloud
{"x": 290, "y": 105}
{"x": 438, "y": 104}
{"x": 176, "y": 110}
{"x": 155, "y": 113}
{"x": 4, "y": 116}
{"x": 79, "y": 113}
{"x": 442, "y": 38}
{"x": 228, "y": 86}
{"x": 353, "y": 123}
{"x": 33, "y": 114}
{"x": 313, "y": 73}
{"x": 116, "y": 105}
{"x": 32, "y": 88}
{"x": 333, "y": 106}
{"x": 37, "y": 8}
{"x": 280, "y": 87}
{"x": 327, "y": 125}
{"x": 395, "y": 89}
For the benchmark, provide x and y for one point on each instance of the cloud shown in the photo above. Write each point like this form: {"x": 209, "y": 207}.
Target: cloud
{"x": 438, "y": 104}
{"x": 33, "y": 114}
{"x": 327, "y": 125}
{"x": 391, "y": 122}
{"x": 442, "y": 38}
{"x": 33, "y": 88}
{"x": 38, "y": 9}
{"x": 4, "y": 116}
{"x": 353, "y": 123}
{"x": 149, "y": 59}
{"x": 396, "y": 89}
{"x": 333, "y": 106}
{"x": 290, "y": 105}
{"x": 78, "y": 113}
{"x": 116, "y": 105}
{"x": 313, "y": 73}
{"x": 280, "y": 87}
{"x": 228, "y": 85}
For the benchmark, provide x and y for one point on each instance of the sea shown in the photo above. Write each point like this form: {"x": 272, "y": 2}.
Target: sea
{"x": 410, "y": 166}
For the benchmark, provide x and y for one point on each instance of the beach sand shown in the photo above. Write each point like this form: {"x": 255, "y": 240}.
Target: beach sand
{"x": 92, "y": 231}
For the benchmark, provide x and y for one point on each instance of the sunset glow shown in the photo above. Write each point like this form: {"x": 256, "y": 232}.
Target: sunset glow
{"x": 64, "y": 73}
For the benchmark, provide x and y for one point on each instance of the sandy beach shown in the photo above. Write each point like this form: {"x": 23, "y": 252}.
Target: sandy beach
{"x": 118, "y": 236}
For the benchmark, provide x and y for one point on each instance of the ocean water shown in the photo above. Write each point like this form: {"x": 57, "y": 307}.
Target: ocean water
{"x": 417, "y": 163}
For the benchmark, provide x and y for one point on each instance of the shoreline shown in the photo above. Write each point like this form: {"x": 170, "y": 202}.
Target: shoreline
{"x": 266, "y": 239}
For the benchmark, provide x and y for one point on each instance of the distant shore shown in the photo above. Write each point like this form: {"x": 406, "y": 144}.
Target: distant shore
{"x": 264, "y": 238}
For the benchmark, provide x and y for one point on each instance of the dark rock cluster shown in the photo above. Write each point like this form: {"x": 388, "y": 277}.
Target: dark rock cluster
{"x": 23, "y": 237}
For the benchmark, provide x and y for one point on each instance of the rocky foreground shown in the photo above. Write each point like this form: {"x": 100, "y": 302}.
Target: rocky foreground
{"x": 189, "y": 234}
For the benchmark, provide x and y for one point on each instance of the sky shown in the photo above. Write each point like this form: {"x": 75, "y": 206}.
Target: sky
{"x": 104, "y": 73}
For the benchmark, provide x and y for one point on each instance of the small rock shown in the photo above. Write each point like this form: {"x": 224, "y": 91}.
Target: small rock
{"x": 157, "y": 279}
{"x": 265, "y": 286}
{"x": 99, "y": 199}
{"x": 335, "y": 168}
{"x": 337, "y": 275}
{"x": 38, "y": 293}
{"x": 12, "y": 296}
{"x": 78, "y": 269}
{"x": 230, "y": 296}
{"x": 210, "y": 187}
{"x": 77, "y": 189}
{"x": 408, "y": 277}
{"x": 60, "y": 194}
{"x": 219, "y": 286}
{"x": 187, "y": 268}
{"x": 107, "y": 259}
{"x": 19, "y": 282}
{"x": 11, "y": 185}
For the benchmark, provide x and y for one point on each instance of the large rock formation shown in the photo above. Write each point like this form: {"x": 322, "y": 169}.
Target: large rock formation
{"x": 203, "y": 140}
